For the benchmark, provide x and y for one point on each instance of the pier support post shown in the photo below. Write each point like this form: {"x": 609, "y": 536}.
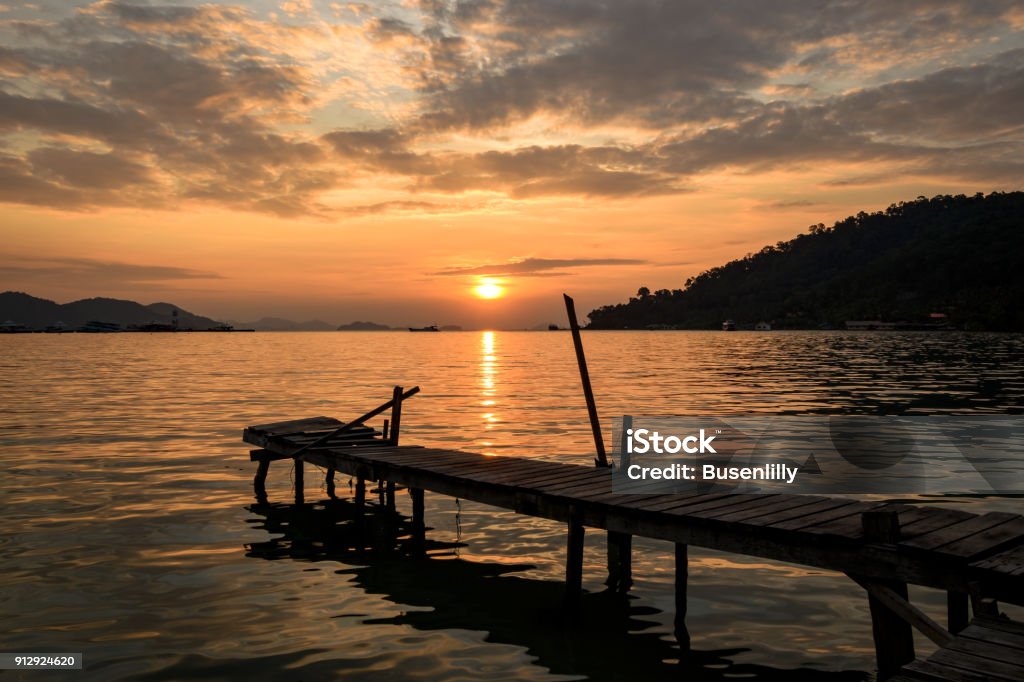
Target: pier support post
{"x": 259, "y": 483}
{"x": 957, "y": 616}
{"x": 573, "y": 565}
{"x": 620, "y": 561}
{"x": 300, "y": 481}
{"x": 329, "y": 481}
{"x": 894, "y": 638}
{"x": 360, "y": 497}
{"x": 389, "y": 496}
{"x": 419, "y": 526}
{"x": 682, "y": 578}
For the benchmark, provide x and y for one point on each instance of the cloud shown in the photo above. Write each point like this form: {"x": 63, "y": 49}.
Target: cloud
{"x": 537, "y": 266}
{"x": 659, "y": 64}
{"x": 21, "y": 271}
{"x": 161, "y": 106}
{"x": 790, "y": 203}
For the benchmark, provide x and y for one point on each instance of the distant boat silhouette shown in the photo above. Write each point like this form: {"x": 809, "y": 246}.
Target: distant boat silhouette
{"x": 431, "y": 328}
{"x": 728, "y": 326}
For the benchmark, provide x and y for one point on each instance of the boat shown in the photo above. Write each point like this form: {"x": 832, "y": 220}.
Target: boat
{"x": 98, "y": 327}
{"x": 154, "y": 327}
{"x": 728, "y": 326}
{"x": 431, "y": 328}
{"x": 553, "y": 328}
{"x": 762, "y": 327}
{"x": 11, "y": 327}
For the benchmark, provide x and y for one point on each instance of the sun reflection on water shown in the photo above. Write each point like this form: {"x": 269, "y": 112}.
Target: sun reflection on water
{"x": 488, "y": 386}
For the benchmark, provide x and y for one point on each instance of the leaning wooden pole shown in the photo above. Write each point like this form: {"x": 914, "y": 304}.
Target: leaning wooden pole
{"x": 588, "y": 391}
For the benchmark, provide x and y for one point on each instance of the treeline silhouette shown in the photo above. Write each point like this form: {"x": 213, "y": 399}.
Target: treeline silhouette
{"x": 958, "y": 256}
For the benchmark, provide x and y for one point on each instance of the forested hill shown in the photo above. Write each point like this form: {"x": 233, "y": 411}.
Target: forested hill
{"x": 958, "y": 255}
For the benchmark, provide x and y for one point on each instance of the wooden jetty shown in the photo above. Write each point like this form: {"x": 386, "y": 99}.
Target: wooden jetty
{"x": 978, "y": 559}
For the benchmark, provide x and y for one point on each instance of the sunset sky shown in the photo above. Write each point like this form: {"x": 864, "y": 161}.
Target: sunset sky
{"x": 377, "y": 160}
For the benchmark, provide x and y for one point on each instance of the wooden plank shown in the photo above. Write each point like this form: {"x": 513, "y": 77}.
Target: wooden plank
{"x": 586, "y": 478}
{"x": 1009, "y": 626}
{"x": 957, "y": 531}
{"x": 739, "y": 501}
{"x": 989, "y": 650}
{"x": 804, "y": 523}
{"x": 848, "y": 528}
{"x": 673, "y": 500}
{"x": 988, "y": 541}
{"x": 979, "y": 631}
{"x": 969, "y": 662}
{"x": 788, "y": 503}
{"x": 827, "y": 504}
{"x": 527, "y": 478}
{"x": 703, "y": 502}
{"x": 295, "y": 425}
{"x": 570, "y": 489}
{"x": 1009, "y": 562}
{"x": 304, "y": 437}
{"x": 931, "y": 519}
{"x": 467, "y": 467}
{"x": 616, "y": 500}
{"x": 934, "y": 672}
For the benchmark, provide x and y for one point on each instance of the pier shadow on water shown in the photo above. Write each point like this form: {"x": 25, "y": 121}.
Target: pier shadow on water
{"x": 611, "y": 638}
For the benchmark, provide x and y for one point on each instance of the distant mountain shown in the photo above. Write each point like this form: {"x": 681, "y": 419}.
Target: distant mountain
{"x": 949, "y": 258}
{"x": 358, "y": 326}
{"x": 38, "y": 313}
{"x": 280, "y": 324}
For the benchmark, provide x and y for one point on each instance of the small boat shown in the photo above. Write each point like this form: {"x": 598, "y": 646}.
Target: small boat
{"x": 10, "y": 327}
{"x": 728, "y": 326}
{"x": 762, "y": 327}
{"x": 431, "y": 328}
{"x": 553, "y": 328}
{"x": 99, "y": 327}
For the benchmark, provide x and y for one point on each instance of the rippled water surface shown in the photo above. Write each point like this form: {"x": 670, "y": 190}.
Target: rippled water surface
{"x": 130, "y": 531}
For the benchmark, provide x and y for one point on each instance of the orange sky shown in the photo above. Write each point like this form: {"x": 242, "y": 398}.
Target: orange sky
{"x": 373, "y": 161}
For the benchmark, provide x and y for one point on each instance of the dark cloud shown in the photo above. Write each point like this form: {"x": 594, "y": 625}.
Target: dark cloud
{"x": 658, "y": 64}
{"x": 535, "y": 266}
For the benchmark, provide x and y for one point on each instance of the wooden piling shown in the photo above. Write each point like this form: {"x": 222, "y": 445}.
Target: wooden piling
{"x": 957, "y": 615}
{"x": 329, "y": 482}
{"x": 419, "y": 526}
{"x": 588, "y": 391}
{"x": 389, "y": 495}
{"x": 894, "y": 638}
{"x": 396, "y": 416}
{"x": 360, "y": 496}
{"x": 573, "y": 565}
{"x": 682, "y": 578}
{"x": 300, "y": 481}
{"x": 259, "y": 483}
{"x": 620, "y": 561}
{"x": 620, "y": 545}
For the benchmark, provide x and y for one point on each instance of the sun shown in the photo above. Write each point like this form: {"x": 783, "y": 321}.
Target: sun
{"x": 488, "y": 289}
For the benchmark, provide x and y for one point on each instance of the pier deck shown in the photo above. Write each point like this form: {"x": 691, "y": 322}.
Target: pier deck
{"x": 976, "y": 558}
